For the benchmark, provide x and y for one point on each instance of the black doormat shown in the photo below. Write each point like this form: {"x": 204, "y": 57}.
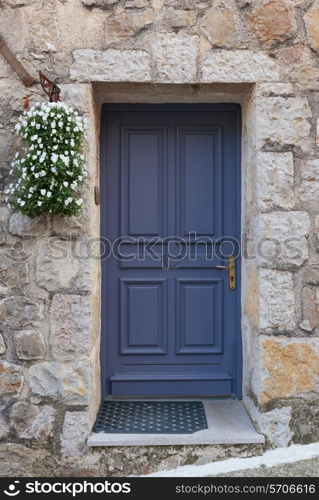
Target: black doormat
{"x": 151, "y": 417}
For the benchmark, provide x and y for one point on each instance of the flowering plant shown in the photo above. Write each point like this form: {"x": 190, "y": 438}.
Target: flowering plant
{"x": 51, "y": 171}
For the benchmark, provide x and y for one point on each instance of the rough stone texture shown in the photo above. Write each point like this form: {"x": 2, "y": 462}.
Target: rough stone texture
{"x": 4, "y": 429}
{"x": 276, "y": 304}
{"x": 310, "y": 308}
{"x": 219, "y": 27}
{"x": 29, "y": 344}
{"x": 272, "y": 22}
{"x": 20, "y": 311}
{"x": 22, "y": 225}
{"x": 110, "y": 65}
{"x": 57, "y": 267}
{"x": 3, "y": 347}
{"x": 60, "y": 381}
{"x": 312, "y": 26}
{"x": 32, "y": 422}
{"x": 238, "y": 66}
{"x": 292, "y": 367}
{"x": 309, "y": 188}
{"x": 275, "y": 181}
{"x": 74, "y": 433}
{"x": 70, "y": 320}
{"x": 263, "y": 55}
{"x": 174, "y": 57}
{"x": 283, "y": 122}
{"x": 11, "y": 378}
{"x": 282, "y": 238}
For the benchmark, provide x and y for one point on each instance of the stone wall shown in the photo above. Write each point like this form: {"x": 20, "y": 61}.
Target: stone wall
{"x": 262, "y": 54}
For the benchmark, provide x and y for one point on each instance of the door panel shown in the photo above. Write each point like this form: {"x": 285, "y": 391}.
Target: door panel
{"x": 170, "y": 194}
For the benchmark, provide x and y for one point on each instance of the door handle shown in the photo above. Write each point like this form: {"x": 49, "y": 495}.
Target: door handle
{"x": 231, "y": 272}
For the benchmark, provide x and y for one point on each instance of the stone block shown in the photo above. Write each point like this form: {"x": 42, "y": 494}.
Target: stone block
{"x": 4, "y": 429}
{"x": 43, "y": 380}
{"x": 175, "y": 58}
{"x": 309, "y": 188}
{"x": 20, "y": 311}
{"x": 276, "y": 302}
{"x": 57, "y": 266}
{"x": 272, "y": 22}
{"x": 70, "y": 324}
{"x": 311, "y": 20}
{"x": 310, "y": 308}
{"x": 282, "y": 238}
{"x": 14, "y": 271}
{"x": 110, "y": 65}
{"x": 11, "y": 378}
{"x": 231, "y": 66}
{"x": 219, "y": 27}
{"x": 29, "y": 344}
{"x": 283, "y": 122}
{"x": 3, "y": 346}
{"x": 32, "y": 422}
{"x": 291, "y": 367}
{"x": 74, "y": 433}
{"x": 22, "y": 225}
{"x": 275, "y": 181}
{"x": 64, "y": 381}
{"x": 178, "y": 18}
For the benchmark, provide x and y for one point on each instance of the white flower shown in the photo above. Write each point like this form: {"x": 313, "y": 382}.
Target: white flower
{"x": 39, "y": 203}
{"x": 38, "y": 126}
{"x": 42, "y": 158}
{"x": 66, "y": 153}
{"x": 32, "y": 189}
{"x": 55, "y": 147}
{"x": 80, "y": 178}
{"x": 7, "y": 191}
{"x": 22, "y": 203}
{"x": 32, "y": 147}
{"x": 79, "y": 201}
{"x": 66, "y": 142}
{"x": 34, "y": 137}
{"x": 43, "y": 191}
{"x": 32, "y": 168}
{"x": 68, "y": 129}
{"x": 49, "y": 194}
{"x": 10, "y": 172}
{"x": 54, "y": 157}
{"x": 34, "y": 157}
{"x": 53, "y": 169}
{"x": 36, "y": 175}
{"x": 17, "y": 155}
{"x": 66, "y": 184}
{"x": 42, "y": 173}
{"x": 53, "y": 124}
{"x": 32, "y": 123}
{"x": 29, "y": 195}
{"x": 60, "y": 124}
{"x": 53, "y": 131}
{"x": 17, "y": 127}
{"x": 39, "y": 140}
{"x": 24, "y": 175}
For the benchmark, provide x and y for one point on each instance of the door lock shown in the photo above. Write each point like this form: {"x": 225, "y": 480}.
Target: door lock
{"x": 231, "y": 272}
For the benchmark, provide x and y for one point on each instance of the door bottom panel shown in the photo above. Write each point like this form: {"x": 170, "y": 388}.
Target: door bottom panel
{"x": 171, "y": 384}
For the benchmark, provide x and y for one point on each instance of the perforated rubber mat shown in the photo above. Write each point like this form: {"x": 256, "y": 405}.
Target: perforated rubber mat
{"x": 151, "y": 417}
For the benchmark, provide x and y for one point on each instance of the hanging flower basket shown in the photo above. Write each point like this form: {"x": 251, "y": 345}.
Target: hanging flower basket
{"x": 51, "y": 170}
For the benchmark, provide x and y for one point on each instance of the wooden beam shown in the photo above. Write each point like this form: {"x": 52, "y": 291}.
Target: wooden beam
{"x": 27, "y": 79}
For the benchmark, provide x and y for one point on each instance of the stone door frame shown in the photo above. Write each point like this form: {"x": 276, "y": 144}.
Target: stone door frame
{"x": 272, "y": 122}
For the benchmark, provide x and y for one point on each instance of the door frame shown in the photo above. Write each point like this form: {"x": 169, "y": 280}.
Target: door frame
{"x": 236, "y": 108}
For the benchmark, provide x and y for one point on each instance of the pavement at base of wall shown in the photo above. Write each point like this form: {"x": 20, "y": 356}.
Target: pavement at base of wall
{"x": 293, "y": 461}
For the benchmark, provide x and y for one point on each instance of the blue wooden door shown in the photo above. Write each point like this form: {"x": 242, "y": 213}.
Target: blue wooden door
{"x": 170, "y": 201}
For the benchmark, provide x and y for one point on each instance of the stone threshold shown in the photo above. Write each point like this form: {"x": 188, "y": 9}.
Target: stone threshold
{"x": 228, "y": 423}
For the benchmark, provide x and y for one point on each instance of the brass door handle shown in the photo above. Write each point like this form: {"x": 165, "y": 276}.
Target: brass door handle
{"x": 231, "y": 272}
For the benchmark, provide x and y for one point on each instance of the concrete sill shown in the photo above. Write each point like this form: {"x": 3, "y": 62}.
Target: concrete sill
{"x": 228, "y": 423}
